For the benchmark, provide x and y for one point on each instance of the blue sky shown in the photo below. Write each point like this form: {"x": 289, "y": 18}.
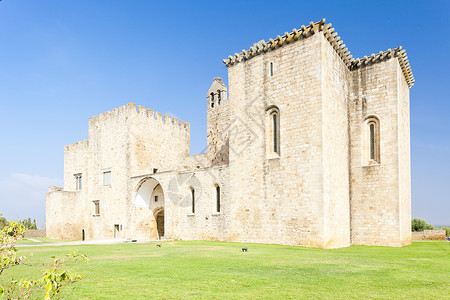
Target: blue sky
{"x": 64, "y": 61}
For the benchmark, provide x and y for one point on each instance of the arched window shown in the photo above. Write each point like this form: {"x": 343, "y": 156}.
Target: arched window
{"x": 212, "y": 99}
{"x": 193, "y": 200}
{"x": 371, "y": 141}
{"x": 219, "y": 97}
{"x": 273, "y": 131}
{"x": 217, "y": 198}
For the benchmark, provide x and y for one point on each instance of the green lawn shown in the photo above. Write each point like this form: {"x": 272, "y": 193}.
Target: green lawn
{"x": 199, "y": 269}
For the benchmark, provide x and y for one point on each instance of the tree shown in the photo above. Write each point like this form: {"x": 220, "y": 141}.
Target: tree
{"x": 52, "y": 279}
{"x": 420, "y": 225}
{"x": 29, "y": 224}
{"x": 3, "y": 221}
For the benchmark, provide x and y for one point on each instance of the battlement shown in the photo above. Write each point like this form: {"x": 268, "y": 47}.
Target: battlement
{"x": 131, "y": 110}
{"x": 334, "y": 40}
{"x": 78, "y": 145}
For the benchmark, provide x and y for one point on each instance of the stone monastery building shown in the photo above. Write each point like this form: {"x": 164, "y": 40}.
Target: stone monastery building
{"x": 307, "y": 146}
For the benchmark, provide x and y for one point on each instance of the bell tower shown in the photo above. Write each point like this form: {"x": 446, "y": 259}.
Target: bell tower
{"x": 218, "y": 122}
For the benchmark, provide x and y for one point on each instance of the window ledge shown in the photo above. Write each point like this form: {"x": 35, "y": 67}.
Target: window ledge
{"x": 216, "y": 214}
{"x": 94, "y": 215}
{"x": 273, "y": 156}
{"x": 190, "y": 215}
{"x": 372, "y": 163}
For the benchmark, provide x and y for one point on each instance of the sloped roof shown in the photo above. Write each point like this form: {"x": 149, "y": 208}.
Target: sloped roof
{"x": 335, "y": 41}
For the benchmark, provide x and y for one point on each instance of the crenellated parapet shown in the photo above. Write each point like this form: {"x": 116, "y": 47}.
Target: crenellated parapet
{"x": 131, "y": 110}
{"x": 335, "y": 41}
{"x": 82, "y": 145}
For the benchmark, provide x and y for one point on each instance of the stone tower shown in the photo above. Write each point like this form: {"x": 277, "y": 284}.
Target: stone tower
{"x": 218, "y": 122}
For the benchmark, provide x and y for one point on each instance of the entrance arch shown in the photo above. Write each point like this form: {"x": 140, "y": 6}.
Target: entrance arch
{"x": 150, "y": 202}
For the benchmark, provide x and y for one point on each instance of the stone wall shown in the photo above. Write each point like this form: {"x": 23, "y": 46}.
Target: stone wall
{"x": 335, "y": 131}
{"x": 35, "y": 233}
{"x": 278, "y": 198}
{"x": 180, "y": 222}
{"x": 428, "y": 235}
{"x": 64, "y": 214}
{"x": 377, "y": 201}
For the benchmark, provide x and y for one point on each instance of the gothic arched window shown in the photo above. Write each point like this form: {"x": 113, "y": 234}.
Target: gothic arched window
{"x": 219, "y": 97}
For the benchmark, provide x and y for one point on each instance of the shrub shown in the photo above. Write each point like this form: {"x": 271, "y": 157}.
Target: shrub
{"x": 420, "y": 225}
{"x": 447, "y": 230}
{"x": 52, "y": 279}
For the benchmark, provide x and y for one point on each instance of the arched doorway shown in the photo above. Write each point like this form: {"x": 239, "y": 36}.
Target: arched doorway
{"x": 149, "y": 202}
{"x": 160, "y": 223}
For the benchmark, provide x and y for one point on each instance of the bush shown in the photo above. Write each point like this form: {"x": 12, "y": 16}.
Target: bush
{"x": 420, "y": 225}
{"x": 3, "y": 221}
{"x": 50, "y": 281}
{"x": 447, "y": 230}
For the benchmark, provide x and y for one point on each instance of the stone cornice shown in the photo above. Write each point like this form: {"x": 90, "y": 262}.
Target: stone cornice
{"x": 385, "y": 55}
{"x": 334, "y": 40}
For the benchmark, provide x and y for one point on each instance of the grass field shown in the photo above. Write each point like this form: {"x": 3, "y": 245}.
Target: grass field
{"x": 199, "y": 269}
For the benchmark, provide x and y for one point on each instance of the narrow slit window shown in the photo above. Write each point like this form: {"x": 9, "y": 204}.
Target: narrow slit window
{"x": 372, "y": 141}
{"x": 217, "y": 198}
{"x": 275, "y": 140}
{"x": 193, "y": 200}
{"x": 271, "y": 69}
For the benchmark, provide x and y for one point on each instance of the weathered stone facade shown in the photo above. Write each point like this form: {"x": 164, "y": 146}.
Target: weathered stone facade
{"x": 311, "y": 147}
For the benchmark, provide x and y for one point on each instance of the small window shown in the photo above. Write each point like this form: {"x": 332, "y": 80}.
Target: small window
{"x": 273, "y": 131}
{"x": 219, "y": 97}
{"x": 212, "y": 99}
{"x": 371, "y": 141}
{"x": 96, "y": 207}
{"x": 107, "y": 178}
{"x": 155, "y": 171}
{"x": 156, "y": 198}
{"x": 193, "y": 200}
{"x": 271, "y": 69}
{"x": 217, "y": 198}
{"x": 78, "y": 181}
